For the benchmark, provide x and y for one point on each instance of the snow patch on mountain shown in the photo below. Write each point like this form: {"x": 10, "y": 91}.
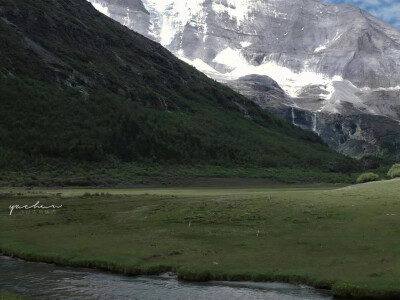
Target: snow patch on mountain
{"x": 169, "y": 17}
{"x": 231, "y": 58}
{"x": 245, "y": 44}
{"x": 236, "y": 9}
{"x": 172, "y": 15}
{"x": 320, "y": 48}
{"x": 101, "y": 8}
{"x": 291, "y": 82}
{"x": 381, "y": 89}
{"x": 200, "y": 65}
{"x": 325, "y": 45}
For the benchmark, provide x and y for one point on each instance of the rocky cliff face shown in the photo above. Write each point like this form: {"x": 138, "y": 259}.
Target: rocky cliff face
{"x": 331, "y": 65}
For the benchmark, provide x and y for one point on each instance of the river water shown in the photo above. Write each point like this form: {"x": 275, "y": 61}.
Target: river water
{"x": 47, "y": 281}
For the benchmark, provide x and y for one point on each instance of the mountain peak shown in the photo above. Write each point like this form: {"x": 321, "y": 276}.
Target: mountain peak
{"x": 328, "y": 59}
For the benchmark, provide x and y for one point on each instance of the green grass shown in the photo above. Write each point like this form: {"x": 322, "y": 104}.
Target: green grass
{"x": 344, "y": 239}
{"x": 11, "y": 296}
{"x": 128, "y": 174}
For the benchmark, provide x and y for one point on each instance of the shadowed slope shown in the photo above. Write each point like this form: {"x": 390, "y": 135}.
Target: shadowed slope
{"x": 75, "y": 84}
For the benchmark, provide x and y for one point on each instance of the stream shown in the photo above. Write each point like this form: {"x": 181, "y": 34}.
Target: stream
{"x": 47, "y": 281}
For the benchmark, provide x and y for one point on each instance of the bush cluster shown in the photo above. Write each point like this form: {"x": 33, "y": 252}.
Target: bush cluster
{"x": 367, "y": 177}
{"x": 394, "y": 172}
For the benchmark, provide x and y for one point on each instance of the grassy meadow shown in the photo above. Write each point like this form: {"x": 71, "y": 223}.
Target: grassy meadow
{"x": 344, "y": 238}
{"x": 119, "y": 174}
{"x": 11, "y": 296}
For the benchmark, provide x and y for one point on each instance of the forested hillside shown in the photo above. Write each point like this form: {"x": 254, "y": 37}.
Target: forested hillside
{"x": 76, "y": 85}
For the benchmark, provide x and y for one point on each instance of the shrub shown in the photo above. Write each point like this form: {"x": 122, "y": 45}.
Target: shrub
{"x": 367, "y": 177}
{"x": 394, "y": 171}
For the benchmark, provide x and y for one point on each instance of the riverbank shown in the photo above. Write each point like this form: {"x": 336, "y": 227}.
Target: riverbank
{"x": 62, "y": 283}
{"x": 343, "y": 239}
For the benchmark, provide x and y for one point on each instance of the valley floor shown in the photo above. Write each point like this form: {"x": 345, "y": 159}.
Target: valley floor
{"x": 342, "y": 238}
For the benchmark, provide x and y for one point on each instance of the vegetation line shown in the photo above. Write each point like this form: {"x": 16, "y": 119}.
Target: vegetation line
{"x": 197, "y": 274}
{"x": 191, "y": 274}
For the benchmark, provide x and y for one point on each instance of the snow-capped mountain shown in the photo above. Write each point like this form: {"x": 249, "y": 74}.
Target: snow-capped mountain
{"x": 335, "y": 69}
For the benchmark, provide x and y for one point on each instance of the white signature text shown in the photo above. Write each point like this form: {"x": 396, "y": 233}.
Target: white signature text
{"x": 37, "y": 205}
